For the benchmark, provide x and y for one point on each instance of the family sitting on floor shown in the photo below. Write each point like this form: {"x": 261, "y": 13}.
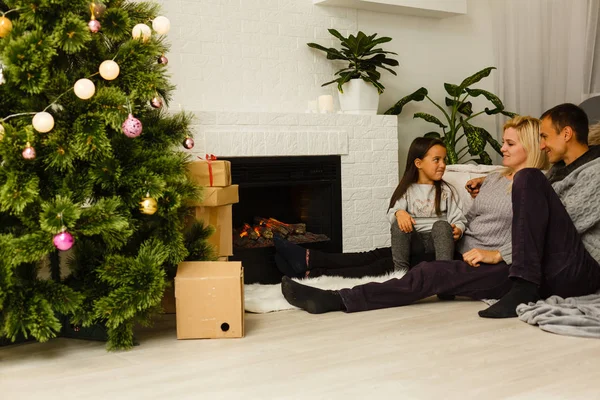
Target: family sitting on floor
{"x": 527, "y": 235}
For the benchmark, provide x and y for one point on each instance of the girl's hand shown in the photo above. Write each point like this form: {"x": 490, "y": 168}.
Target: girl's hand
{"x": 405, "y": 221}
{"x": 456, "y": 232}
{"x": 475, "y": 256}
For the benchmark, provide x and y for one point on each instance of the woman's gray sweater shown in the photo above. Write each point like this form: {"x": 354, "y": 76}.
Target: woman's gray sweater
{"x": 489, "y": 220}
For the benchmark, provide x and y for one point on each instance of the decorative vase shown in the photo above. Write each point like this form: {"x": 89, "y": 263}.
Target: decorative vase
{"x": 359, "y": 97}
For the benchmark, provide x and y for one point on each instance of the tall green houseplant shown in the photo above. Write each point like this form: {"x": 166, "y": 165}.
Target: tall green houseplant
{"x": 458, "y": 117}
{"x": 362, "y": 56}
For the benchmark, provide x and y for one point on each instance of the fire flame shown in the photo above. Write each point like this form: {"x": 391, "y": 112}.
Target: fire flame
{"x": 245, "y": 230}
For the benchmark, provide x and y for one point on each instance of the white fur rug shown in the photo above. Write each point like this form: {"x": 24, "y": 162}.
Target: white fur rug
{"x": 262, "y": 299}
{"x": 268, "y": 298}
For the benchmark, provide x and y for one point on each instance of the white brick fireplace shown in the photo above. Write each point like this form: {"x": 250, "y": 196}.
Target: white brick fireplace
{"x": 367, "y": 144}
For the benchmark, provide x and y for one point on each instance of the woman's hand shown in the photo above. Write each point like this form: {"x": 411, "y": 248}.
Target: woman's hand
{"x": 456, "y": 232}
{"x": 405, "y": 221}
{"x": 475, "y": 256}
{"x": 473, "y": 186}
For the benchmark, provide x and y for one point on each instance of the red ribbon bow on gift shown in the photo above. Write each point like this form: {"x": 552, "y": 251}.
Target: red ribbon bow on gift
{"x": 209, "y": 158}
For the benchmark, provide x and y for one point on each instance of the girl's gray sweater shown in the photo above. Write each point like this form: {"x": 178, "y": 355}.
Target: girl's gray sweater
{"x": 419, "y": 202}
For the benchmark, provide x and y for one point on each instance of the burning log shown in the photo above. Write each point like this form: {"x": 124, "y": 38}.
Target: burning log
{"x": 265, "y": 232}
{"x": 253, "y": 235}
{"x": 274, "y": 228}
{"x": 245, "y": 230}
{"x": 255, "y": 232}
{"x": 280, "y": 227}
{"x": 298, "y": 229}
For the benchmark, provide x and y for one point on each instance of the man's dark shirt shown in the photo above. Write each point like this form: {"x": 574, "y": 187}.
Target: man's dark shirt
{"x": 559, "y": 171}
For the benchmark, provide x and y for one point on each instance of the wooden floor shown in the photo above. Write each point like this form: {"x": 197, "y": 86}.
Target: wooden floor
{"x": 432, "y": 350}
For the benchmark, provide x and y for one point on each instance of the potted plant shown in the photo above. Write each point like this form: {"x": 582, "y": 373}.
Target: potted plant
{"x": 358, "y": 83}
{"x": 458, "y": 116}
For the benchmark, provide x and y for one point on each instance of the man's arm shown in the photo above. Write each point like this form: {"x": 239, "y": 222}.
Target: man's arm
{"x": 473, "y": 186}
{"x": 581, "y": 197}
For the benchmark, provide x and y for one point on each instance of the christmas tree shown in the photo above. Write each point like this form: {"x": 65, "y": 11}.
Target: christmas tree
{"x": 91, "y": 161}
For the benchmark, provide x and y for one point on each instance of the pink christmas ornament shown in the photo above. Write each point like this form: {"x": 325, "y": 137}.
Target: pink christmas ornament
{"x": 28, "y": 152}
{"x": 156, "y": 102}
{"x": 163, "y": 60}
{"x": 132, "y": 127}
{"x": 94, "y": 26}
{"x": 63, "y": 241}
{"x": 188, "y": 143}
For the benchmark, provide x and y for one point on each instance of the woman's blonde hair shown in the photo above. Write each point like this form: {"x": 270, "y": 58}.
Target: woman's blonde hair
{"x": 528, "y": 132}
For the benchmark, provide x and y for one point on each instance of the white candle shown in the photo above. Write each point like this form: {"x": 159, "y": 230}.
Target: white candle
{"x": 326, "y": 103}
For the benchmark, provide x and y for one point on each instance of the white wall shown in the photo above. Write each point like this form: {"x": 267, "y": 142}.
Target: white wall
{"x": 251, "y": 55}
{"x": 431, "y": 52}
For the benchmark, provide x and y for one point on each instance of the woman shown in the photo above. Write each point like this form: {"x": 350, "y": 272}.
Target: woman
{"x": 485, "y": 246}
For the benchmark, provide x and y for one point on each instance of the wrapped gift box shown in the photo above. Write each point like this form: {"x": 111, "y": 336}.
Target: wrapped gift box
{"x": 210, "y": 173}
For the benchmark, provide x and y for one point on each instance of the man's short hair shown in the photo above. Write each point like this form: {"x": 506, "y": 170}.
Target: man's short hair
{"x": 568, "y": 114}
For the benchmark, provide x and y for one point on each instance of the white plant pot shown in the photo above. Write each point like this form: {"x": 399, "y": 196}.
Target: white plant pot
{"x": 359, "y": 97}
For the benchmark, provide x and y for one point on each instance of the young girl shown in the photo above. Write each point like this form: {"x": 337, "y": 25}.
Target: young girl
{"x": 425, "y": 216}
{"x": 424, "y": 211}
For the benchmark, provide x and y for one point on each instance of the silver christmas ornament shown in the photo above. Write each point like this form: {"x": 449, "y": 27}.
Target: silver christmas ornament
{"x": 163, "y": 60}
{"x": 156, "y": 102}
{"x": 188, "y": 143}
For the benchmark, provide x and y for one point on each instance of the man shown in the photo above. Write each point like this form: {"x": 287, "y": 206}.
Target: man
{"x": 556, "y": 221}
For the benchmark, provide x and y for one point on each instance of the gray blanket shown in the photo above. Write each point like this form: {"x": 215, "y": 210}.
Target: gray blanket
{"x": 573, "y": 316}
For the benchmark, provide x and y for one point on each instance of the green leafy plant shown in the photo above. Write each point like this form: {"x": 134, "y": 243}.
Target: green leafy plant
{"x": 458, "y": 116}
{"x": 362, "y": 57}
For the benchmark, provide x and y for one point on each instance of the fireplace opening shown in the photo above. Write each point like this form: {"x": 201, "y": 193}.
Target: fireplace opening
{"x": 298, "y": 198}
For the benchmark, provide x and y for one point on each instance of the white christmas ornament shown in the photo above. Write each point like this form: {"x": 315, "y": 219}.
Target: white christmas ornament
{"x": 109, "y": 70}
{"x": 141, "y": 31}
{"x": 84, "y": 89}
{"x": 43, "y": 122}
{"x": 161, "y": 25}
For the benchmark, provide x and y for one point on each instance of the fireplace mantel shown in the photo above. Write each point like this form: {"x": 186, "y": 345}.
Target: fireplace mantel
{"x": 367, "y": 144}
{"x": 420, "y": 8}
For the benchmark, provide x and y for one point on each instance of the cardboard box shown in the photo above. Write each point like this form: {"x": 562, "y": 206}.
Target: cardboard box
{"x": 220, "y": 170}
{"x": 220, "y": 218}
{"x": 210, "y": 300}
{"x": 220, "y": 196}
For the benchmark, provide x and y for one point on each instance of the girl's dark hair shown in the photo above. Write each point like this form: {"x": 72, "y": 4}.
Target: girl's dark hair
{"x": 418, "y": 149}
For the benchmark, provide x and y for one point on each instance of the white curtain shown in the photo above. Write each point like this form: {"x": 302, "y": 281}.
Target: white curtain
{"x": 547, "y": 52}
{"x": 591, "y": 84}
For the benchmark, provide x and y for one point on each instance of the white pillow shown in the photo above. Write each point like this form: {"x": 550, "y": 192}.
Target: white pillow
{"x": 473, "y": 168}
{"x": 458, "y": 174}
